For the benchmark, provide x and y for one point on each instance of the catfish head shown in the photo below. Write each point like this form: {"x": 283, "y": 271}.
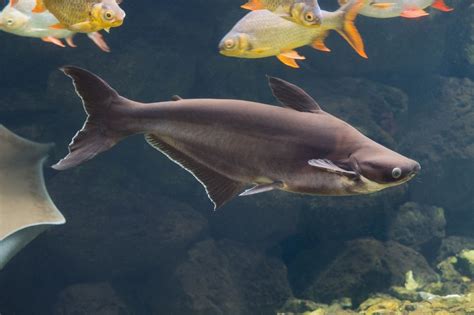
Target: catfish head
{"x": 381, "y": 168}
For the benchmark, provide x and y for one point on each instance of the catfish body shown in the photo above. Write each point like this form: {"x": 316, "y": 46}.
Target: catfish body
{"x": 229, "y": 145}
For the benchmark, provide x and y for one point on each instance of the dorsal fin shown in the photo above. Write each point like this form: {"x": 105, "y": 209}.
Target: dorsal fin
{"x": 176, "y": 98}
{"x": 292, "y": 96}
{"x": 219, "y": 188}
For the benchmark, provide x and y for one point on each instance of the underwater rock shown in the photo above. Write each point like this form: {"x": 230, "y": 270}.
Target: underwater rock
{"x": 465, "y": 263}
{"x": 222, "y": 277}
{"x": 367, "y": 266}
{"x": 90, "y": 299}
{"x": 461, "y": 57}
{"x": 431, "y": 304}
{"x": 415, "y": 225}
{"x": 453, "y": 245}
{"x": 442, "y": 140}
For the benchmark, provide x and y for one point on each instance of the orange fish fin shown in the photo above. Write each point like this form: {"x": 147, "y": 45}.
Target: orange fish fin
{"x": 349, "y": 31}
{"x": 53, "y": 40}
{"x": 288, "y": 61}
{"x": 293, "y": 54}
{"x": 253, "y": 5}
{"x": 40, "y": 7}
{"x": 414, "y": 13}
{"x": 319, "y": 44}
{"x": 13, "y": 3}
{"x": 58, "y": 26}
{"x": 383, "y": 5}
{"x": 441, "y": 5}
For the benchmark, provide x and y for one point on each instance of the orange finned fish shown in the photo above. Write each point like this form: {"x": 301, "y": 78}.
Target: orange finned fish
{"x": 83, "y": 16}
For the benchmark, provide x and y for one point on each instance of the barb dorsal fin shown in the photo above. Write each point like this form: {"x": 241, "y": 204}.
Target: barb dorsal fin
{"x": 219, "y": 188}
{"x": 292, "y": 96}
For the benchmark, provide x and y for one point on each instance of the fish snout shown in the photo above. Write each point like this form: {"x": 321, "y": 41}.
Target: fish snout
{"x": 415, "y": 169}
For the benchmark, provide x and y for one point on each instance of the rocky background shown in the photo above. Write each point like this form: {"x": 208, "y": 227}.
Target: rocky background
{"x": 141, "y": 237}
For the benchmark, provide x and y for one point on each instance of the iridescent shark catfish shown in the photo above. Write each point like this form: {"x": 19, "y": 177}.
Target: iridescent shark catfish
{"x": 26, "y": 210}
{"x": 229, "y": 145}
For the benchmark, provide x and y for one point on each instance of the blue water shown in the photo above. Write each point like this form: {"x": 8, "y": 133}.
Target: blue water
{"x": 141, "y": 236}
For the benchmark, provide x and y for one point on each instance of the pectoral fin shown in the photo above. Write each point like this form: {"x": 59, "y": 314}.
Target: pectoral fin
{"x": 82, "y": 27}
{"x": 413, "y": 13}
{"x": 58, "y": 26}
{"x": 382, "y": 5}
{"x": 329, "y": 166}
{"x": 262, "y": 188}
{"x": 253, "y": 5}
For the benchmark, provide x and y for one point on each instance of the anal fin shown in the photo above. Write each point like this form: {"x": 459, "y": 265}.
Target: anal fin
{"x": 219, "y": 188}
{"x": 414, "y": 13}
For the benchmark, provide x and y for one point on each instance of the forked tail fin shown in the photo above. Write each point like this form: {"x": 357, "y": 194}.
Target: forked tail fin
{"x": 347, "y": 28}
{"x": 99, "y": 101}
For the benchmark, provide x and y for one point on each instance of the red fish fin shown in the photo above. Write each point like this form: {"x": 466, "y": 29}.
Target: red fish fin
{"x": 13, "y": 3}
{"x": 413, "y": 13}
{"x": 53, "y": 40}
{"x": 290, "y": 62}
{"x": 58, "y": 26}
{"x": 319, "y": 44}
{"x": 441, "y": 5}
{"x": 348, "y": 30}
{"x": 39, "y": 8}
{"x": 253, "y": 5}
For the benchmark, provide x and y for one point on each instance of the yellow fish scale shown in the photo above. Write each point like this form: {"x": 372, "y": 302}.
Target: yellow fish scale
{"x": 272, "y": 5}
{"x": 70, "y": 12}
{"x": 273, "y": 34}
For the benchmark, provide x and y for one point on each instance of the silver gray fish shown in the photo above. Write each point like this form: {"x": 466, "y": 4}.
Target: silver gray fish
{"x": 229, "y": 145}
{"x": 26, "y": 210}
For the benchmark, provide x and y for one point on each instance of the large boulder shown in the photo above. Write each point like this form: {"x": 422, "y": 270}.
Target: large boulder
{"x": 221, "y": 277}
{"x": 442, "y": 139}
{"x": 367, "y": 266}
{"x": 453, "y": 245}
{"x": 416, "y": 225}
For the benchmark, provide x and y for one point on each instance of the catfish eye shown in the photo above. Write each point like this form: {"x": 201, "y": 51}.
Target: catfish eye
{"x": 109, "y": 15}
{"x": 229, "y": 43}
{"x": 396, "y": 172}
